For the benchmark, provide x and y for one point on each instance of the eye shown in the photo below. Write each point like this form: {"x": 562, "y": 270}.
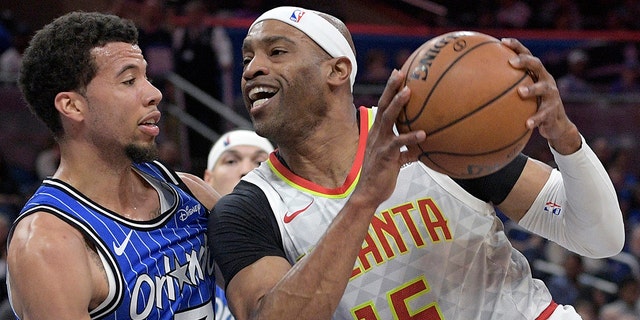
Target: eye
{"x": 278, "y": 51}
{"x": 246, "y": 60}
{"x": 230, "y": 161}
{"x": 129, "y": 82}
{"x": 262, "y": 157}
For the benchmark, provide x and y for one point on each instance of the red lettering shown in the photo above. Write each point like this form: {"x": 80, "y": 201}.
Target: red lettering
{"x": 433, "y": 219}
{"x": 369, "y": 248}
{"x": 388, "y": 226}
{"x": 403, "y": 210}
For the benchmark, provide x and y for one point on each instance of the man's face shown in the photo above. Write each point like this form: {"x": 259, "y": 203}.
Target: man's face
{"x": 284, "y": 79}
{"x": 232, "y": 165}
{"x": 122, "y": 104}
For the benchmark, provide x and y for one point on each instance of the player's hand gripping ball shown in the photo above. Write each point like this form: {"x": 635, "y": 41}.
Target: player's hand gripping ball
{"x": 464, "y": 96}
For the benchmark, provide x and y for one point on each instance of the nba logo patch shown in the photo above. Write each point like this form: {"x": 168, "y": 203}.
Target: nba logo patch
{"x": 553, "y": 208}
{"x": 296, "y": 15}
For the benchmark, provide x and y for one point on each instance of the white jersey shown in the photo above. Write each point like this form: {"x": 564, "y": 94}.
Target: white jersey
{"x": 433, "y": 251}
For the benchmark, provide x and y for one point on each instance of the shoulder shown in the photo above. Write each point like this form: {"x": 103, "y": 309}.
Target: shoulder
{"x": 246, "y": 210}
{"x": 200, "y": 189}
{"x": 43, "y": 234}
{"x": 246, "y": 197}
{"x": 51, "y": 255}
{"x": 247, "y": 194}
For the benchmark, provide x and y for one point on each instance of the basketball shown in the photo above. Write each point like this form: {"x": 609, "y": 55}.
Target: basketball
{"x": 463, "y": 95}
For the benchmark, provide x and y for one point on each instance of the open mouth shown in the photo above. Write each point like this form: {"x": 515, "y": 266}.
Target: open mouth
{"x": 259, "y": 95}
{"x": 149, "y": 123}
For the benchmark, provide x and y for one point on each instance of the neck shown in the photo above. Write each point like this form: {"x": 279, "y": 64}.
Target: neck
{"x": 112, "y": 183}
{"x": 327, "y": 156}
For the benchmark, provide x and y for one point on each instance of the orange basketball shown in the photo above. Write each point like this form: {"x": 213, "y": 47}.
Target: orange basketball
{"x": 463, "y": 95}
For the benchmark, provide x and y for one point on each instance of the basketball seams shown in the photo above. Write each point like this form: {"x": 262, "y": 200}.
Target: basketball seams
{"x": 481, "y": 106}
{"x": 474, "y": 132}
{"x": 430, "y": 155}
{"x": 442, "y": 75}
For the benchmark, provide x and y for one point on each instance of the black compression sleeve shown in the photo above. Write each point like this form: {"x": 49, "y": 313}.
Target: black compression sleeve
{"x": 243, "y": 229}
{"x": 495, "y": 187}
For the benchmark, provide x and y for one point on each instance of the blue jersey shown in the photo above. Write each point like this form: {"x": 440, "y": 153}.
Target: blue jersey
{"x": 222, "y": 308}
{"x": 157, "y": 269}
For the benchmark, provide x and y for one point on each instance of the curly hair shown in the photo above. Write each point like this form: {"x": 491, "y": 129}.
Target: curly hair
{"x": 59, "y": 59}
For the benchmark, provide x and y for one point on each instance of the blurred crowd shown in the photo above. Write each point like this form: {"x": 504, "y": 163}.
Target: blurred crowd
{"x": 176, "y": 36}
{"x": 545, "y": 14}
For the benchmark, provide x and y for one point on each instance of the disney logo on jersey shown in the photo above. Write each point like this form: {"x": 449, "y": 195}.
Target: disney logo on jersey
{"x": 185, "y": 213}
{"x": 177, "y": 276}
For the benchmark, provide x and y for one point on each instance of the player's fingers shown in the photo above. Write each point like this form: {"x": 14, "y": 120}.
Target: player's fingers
{"x": 516, "y": 46}
{"x": 408, "y": 139}
{"x": 393, "y": 85}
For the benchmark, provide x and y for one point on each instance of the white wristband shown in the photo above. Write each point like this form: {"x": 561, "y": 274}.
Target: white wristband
{"x": 578, "y": 207}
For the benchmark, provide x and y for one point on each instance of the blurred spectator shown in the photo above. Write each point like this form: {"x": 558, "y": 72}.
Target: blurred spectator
{"x": 575, "y": 81}
{"x": 633, "y": 242}
{"x": 628, "y": 81}
{"x": 603, "y": 149}
{"x": 6, "y": 25}
{"x": 376, "y": 67}
{"x": 249, "y": 9}
{"x": 560, "y": 15}
{"x": 155, "y": 41}
{"x": 566, "y": 288}
{"x": 169, "y": 153}
{"x": 203, "y": 56}
{"x": 400, "y": 57}
{"x": 586, "y": 309}
{"x": 633, "y": 217}
{"x": 624, "y": 15}
{"x": 626, "y": 303}
{"x": 513, "y": 14}
{"x": 128, "y": 9}
{"x": 11, "y": 198}
{"x": 11, "y": 59}
{"x": 47, "y": 160}
{"x": 5, "y": 224}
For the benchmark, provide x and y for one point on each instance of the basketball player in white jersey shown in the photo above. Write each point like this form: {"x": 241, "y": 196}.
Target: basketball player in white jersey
{"x": 341, "y": 223}
{"x": 112, "y": 234}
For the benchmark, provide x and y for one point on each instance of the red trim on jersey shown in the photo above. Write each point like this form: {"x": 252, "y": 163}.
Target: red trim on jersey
{"x": 353, "y": 173}
{"x": 546, "y": 313}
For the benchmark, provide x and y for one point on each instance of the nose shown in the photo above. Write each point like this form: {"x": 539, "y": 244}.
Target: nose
{"x": 247, "y": 166}
{"x": 257, "y": 66}
{"x": 154, "y": 95}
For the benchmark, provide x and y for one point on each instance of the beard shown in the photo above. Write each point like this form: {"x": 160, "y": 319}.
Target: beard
{"x": 139, "y": 154}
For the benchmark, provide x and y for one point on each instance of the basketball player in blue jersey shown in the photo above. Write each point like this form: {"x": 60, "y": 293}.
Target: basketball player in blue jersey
{"x": 112, "y": 234}
{"x": 341, "y": 223}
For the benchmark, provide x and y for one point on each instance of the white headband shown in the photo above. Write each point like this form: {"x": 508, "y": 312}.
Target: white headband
{"x": 236, "y": 138}
{"x": 318, "y": 29}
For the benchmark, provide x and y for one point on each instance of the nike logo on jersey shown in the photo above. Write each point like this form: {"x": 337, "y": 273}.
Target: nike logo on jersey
{"x": 119, "y": 249}
{"x": 289, "y": 217}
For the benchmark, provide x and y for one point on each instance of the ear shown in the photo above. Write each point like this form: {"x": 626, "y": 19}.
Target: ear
{"x": 71, "y": 105}
{"x": 208, "y": 176}
{"x": 340, "y": 71}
